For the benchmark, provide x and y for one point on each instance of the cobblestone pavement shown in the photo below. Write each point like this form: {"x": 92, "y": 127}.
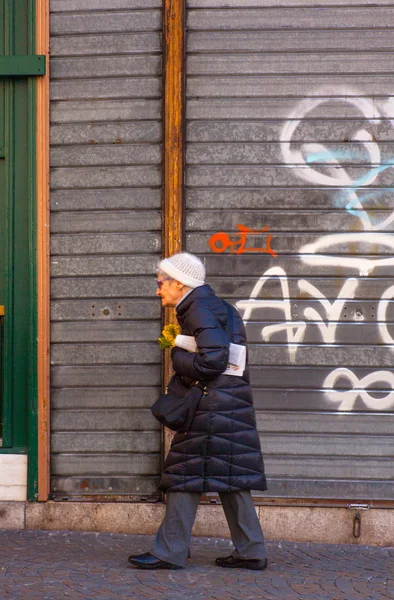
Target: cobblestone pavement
{"x": 43, "y": 565}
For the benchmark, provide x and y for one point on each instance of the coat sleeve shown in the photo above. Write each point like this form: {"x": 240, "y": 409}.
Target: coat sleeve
{"x": 213, "y": 348}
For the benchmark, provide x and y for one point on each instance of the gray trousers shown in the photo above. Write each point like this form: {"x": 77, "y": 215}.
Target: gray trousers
{"x": 173, "y": 536}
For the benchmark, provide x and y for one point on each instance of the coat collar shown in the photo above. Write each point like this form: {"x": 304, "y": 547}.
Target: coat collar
{"x": 200, "y": 292}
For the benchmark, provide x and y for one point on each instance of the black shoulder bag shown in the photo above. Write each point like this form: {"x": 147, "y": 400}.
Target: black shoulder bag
{"x": 175, "y": 409}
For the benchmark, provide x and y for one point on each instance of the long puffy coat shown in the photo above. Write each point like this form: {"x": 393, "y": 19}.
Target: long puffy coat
{"x": 221, "y": 452}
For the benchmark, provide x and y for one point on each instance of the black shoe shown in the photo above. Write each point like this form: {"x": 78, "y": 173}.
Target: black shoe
{"x": 231, "y": 562}
{"x": 148, "y": 561}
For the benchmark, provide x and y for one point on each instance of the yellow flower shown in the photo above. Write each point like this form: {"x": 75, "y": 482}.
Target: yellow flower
{"x": 168, "y": 335}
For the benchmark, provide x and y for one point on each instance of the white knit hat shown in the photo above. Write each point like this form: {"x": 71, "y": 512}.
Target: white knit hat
{"x": 185, "y": 268}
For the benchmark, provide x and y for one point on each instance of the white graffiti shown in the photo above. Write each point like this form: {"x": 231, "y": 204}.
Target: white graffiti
{"x": 319, "y": 165}
{"x": 381, "y": 315}
{"x": 295, "y": 331}
{"x": 338, "y": 175}
{"x": 333, "y": 311}
{"x": 302, "y": 161}
{"x": 347, "y": 398}
{"x": 365, "y": 266}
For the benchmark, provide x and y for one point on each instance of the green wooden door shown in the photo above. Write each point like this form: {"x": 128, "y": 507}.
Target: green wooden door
{"x": 14, "y": 194}
{"x": 2, "y": 225}
{"x": 2, "y": 245}
{"x": 18, "y": 68}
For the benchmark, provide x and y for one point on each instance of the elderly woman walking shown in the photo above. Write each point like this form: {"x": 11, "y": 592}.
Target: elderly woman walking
{"x": 220, "y": 452}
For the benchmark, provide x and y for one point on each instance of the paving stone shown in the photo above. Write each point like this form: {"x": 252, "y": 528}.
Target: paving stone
{"x": 57, "y": 565}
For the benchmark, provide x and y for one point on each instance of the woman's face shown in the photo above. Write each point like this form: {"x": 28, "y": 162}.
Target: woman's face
{"x": 169, "y": 290}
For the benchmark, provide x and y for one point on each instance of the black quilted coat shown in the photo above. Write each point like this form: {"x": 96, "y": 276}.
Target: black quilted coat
{"x": 221, "y": 452}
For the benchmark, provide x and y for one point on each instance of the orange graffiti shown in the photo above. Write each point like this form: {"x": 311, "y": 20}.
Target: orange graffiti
{"x": 219, "y": 242}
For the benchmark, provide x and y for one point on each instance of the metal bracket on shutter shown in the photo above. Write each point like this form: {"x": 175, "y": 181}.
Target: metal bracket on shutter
{"x": 22, "y": 66}
{"x": 357, "y": 518}
{"x": 357, "y": 525}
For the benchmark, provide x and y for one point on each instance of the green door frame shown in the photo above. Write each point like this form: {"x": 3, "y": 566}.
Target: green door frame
{"x": 18, "y": 66}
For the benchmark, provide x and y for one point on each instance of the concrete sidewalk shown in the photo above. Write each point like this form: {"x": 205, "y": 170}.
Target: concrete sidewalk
{"x": 43, "y": 565}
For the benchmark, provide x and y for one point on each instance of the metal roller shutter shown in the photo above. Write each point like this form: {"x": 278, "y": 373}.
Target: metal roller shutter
{"x": 106, "y": 240}
{"x": 290, "y": 133}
